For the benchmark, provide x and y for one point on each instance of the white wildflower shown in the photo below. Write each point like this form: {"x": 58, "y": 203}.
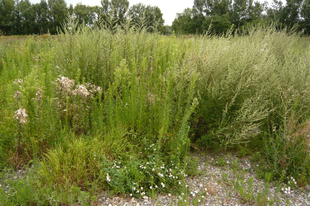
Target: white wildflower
{"x": 39, "y": 94}
{"x": 17, "y": 94}
{"x": 66, "y": 83}
{"x": 108, "y": 177}
{"x": 18, "y": 81}
{"x": 81, "y": 90}
{"x": 21, "y": 115}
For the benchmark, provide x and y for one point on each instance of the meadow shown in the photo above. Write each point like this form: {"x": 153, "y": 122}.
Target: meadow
{"x": 92, "y": 110}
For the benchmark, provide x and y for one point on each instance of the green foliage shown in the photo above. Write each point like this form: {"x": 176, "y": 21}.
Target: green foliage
{"x": 217, "y": 24}
{"x": 149, "y": 17}
{"x": 6, "y": 10}
{"x": 117, "y": 110}
{"x": 192, "y": 167}
{"x": 287, "y": 156}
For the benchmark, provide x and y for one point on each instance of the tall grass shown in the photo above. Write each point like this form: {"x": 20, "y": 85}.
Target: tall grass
{"x": 92, "y": 109}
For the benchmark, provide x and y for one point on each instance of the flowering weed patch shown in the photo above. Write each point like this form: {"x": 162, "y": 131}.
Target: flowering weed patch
{"x": 119, "y": 111}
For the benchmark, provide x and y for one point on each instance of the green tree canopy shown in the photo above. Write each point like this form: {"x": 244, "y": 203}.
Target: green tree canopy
{"x": 57, "y": 14}
{"x": 113, "y": 12}
{"x": 149, "y": 17}
{"x": 6, "y": 15}
{"x": 25, "y": 18}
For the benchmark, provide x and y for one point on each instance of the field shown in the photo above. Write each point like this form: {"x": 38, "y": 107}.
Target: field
{"x": 94, "y": 110}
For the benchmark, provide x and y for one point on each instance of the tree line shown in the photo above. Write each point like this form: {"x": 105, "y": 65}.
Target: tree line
{"x": 218, "y": 16}
{"x": 21, "y": 17}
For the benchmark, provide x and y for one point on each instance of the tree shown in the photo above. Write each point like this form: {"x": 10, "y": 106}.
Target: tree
{"x": 136, "y": 14}
{"x": 85, "y": 14}
{"x": 57, "y": 14}
{"x": 291, "y": 10}
{"x": 305, "y": 16}
{"x": 6, "y": 13}
{"x": 217, "y": 7}
{"x": 184, "y": 23}
{"x": 25, "y": 18}
{"x": 198, "y": 7}
{"x": 245, "y": 11}
{"x": 238, "y": 12}
{"x": 255, "y": 12}
{"x": 113, "y": 12}
{"x": 42, "y": 16}
{"x": 217, "y": 24}
{"x": 149, "y": 17}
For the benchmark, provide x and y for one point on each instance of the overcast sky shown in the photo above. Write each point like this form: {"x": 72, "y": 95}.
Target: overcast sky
{"x": 169, "y": 8}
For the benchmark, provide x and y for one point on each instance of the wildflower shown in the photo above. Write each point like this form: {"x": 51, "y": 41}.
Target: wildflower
{"x": 162, "y": 184}
{"x": 108, "y": 177}
{"x": 18, "y": 81}
{"x": 21, "y": 115}
{"x": 95, "y": 89}
{"x": 81, "y": 90}
{"x": 39, "y": 94}
{"x": 66, "y": 83}
{"x": 169, "y": 195}
{"x": 17, "y": 94}
{"x": 294, "y": 181}
{"x": 287, "y": 190}
{"x": 161, "y": 175}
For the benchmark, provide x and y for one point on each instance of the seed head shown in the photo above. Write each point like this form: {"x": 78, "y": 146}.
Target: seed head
{"x": 21, "y": 115}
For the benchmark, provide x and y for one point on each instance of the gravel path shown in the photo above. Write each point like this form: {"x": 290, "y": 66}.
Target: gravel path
{"x": 222, "y": 180}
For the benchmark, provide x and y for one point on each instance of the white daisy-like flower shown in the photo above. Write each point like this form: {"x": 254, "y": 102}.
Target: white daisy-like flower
{"x": 108, "y": 178}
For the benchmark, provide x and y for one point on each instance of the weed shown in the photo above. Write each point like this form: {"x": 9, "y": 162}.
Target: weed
{"x": 92, "y": 109}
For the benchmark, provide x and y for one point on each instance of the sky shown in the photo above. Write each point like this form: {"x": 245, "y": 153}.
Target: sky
{"x": 169, "y": 8}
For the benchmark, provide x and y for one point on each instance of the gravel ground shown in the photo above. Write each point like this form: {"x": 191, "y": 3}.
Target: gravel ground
{"x": 220, "y": 180}
{"x": 218, "y": 184}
